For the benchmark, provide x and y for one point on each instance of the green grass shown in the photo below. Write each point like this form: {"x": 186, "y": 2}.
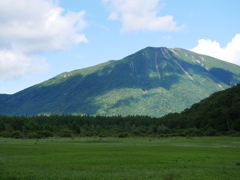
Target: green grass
{"x": 132, "y": 158}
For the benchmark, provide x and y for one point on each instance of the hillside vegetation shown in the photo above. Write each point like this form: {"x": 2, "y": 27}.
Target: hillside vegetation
{"x": 151, "y": 82}
{"x": 221, "y": 111}
{"x": 218, "y": 113}
{"x": 215, "y": 115}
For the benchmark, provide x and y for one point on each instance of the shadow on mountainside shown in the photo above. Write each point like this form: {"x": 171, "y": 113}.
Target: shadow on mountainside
{"x": 80, "y": 97}
{"x": 222, "y": 75}
{"x": 124, "y": 102}
{"x": 77, "y": 93}
{"x": 218, "y": 75}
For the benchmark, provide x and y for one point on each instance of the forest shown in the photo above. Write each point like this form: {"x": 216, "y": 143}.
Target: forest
{"x": 42, "y": 126}
{"x": 218, "y": 114}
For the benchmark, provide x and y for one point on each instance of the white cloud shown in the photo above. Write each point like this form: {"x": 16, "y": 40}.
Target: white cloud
{"x": 30, "y": 27}
{"x": 14, "y": 64}
{"x": 230, "y": 53}
{"x": 138, "y": 15}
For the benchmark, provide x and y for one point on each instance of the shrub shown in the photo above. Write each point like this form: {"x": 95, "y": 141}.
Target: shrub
{"x": 103, "y": 134}
{"x": 166, "y": 131}
{"x": 17, "y": 134}
{"x": 174, "y": 135}
{"x": 46, "y": 134}
{"x": 237, "y": 134}
{"x": 65, "y": 133}
{"x": 123, "y": 135}
{"x": 137, "y": 133}
{"x": 92, "y": 133}
{"x": 33, "y": 135}
{"x": 210, "y": 132}
{"x": 194, "y": 132}
{"x": 6, "y": 134}
{"x": 12, "y": 134}
{"x": 39, "y": 134}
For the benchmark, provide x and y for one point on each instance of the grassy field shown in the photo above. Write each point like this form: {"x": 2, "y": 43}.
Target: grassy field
{"x": 131, "y": 158}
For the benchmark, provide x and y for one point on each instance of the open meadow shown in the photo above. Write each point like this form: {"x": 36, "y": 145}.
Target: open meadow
{"x": 212, "y": 158}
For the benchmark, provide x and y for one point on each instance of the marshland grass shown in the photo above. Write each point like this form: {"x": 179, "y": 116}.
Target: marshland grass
{"x": 114, "y": 158}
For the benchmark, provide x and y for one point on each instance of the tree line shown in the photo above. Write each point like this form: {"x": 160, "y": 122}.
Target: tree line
{"x": 218, "y": 114}
{"x": 43, "y": 126}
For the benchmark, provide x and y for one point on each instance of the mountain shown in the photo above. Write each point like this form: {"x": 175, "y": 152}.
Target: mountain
{"x": 152, "y": 81}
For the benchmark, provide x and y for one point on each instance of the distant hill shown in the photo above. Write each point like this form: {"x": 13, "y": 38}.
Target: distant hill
{"x": 220, "y": 111}
{"x": 152, "y": 81}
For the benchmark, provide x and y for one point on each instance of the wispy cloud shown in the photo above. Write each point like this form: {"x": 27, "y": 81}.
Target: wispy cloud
{"x": 28, "y": 28}
{"x": 230, "y": 53}
{"x": 136, "y": 15}
{"x": 167, "y": 37}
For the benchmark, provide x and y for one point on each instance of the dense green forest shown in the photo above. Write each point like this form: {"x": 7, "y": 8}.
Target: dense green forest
{"x": 218, "y": 114}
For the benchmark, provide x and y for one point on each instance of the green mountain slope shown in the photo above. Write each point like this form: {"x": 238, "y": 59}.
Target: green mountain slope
{"x": 152, "y": 81}
{"x": 220, "y": 112}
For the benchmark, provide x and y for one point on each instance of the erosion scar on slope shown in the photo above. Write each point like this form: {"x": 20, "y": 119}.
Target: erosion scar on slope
{"x": 156, "y": 65}
{"x": 174, "y": 60}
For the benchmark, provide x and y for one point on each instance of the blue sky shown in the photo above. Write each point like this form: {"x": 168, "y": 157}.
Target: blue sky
{"x": 43, "y": 38}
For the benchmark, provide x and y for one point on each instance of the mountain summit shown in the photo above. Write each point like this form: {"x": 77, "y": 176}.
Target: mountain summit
{"x": 152, "y": 81}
